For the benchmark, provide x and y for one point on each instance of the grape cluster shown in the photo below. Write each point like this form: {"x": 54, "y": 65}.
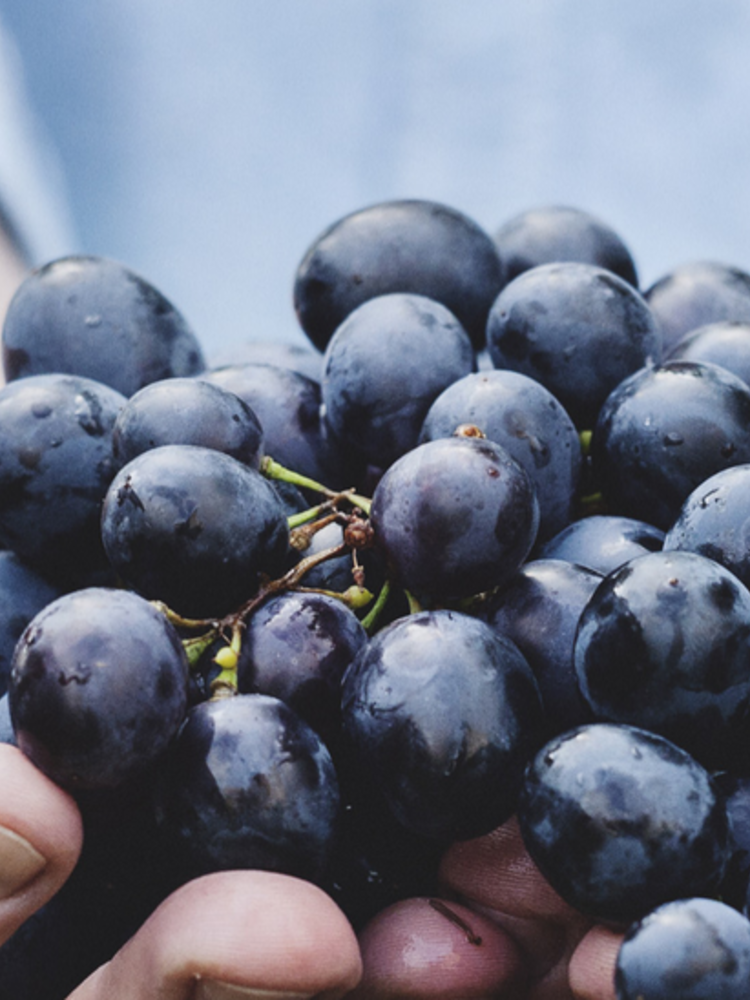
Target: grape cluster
{"x": 482, "y": 550}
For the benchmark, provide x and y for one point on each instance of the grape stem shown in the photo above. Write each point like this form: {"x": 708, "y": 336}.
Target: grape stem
{"x": 372, "y": 617}
{"x": 274, "y": 470}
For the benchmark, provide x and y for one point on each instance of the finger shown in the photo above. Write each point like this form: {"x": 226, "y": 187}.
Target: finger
{"x": 495, "y": 875}
{"x": 235, "y": 934}
{"x": 40, "y": 839}
{"x": 436, "y": 950}
{"x": 592, "y": 966}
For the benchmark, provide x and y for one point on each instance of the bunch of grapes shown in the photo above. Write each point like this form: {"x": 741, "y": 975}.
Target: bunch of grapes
{"x": 483, "y": 550}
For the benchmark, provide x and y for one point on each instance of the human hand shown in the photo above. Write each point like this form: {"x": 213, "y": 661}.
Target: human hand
{"x": 533, "y": 945}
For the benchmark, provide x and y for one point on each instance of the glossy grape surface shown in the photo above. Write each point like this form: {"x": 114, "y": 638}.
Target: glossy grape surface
{"x": 736, "y": 885}
{"x": 288, "y": 405}
{"x": 454, "y": 517}
{"x": 559, "y": 233}
{"x": 725, "y": 343}
{"x": 56, "y": 463}
{"x": 523, "y": 417}
{"x": 690, "y": 949}
{"x": 539, "y": 609}
{"x": 98, "y": 688}
{"x": 248, "y": 784}
{"x": 94, "y": 317}
{"x": 442, "y": 714}
{"x": 194, "y": 528}
{"x": 664, "y": 643}
{"x": 398, "y": 246}
{"x": 23, "y": 594}
{"x": 296, "y": 647}
{"x": 714, "y": 521}
{"x": 697, "y": 293}
{"x": 665, "y": 430}
{"x": 187, "y": 411}
{"x": 603, "y": 542}
{"x": 620, "y": 820}
{"x": 384, "y": 366}
{"x": 576, "y": 328}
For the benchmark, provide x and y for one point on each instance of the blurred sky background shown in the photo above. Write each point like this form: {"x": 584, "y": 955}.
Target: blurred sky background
{"x": 206, "y": 145}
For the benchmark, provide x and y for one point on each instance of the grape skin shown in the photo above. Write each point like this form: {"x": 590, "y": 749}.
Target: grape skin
{"x": 98, "y": 688}
{"x": 620, "y": 820}
{"x": 442, "y": 714}
{"x": 690, "y": 949}
{"x": 194, "y": 528}
{"x": 248, "y": 784}
{"x": 454, "y": 517}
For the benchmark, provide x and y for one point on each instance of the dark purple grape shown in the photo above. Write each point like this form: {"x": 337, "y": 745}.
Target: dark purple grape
{"x": 248, "y": 784}
{"x": 187, "y": 411}
{"x": 559, "y": 233}
{"x": 7, "y": 734}
{"x": 726, "y": 344}
{"x": 384, "y": 366}
{"x": 296, "y": 647}
{"x": 715, "y": 521}
{"x": 398, "y": 246}
{"x": 696, "y": 294}
{"x": 94, "y": 317}
{"x": 603, "y": 542}
{"x": 664, "y": 644}
{"x": 288, "y": 406}
{"x": 56, "y": 463}
{"x": 98, "y": 688}
{"x": 194, "y": 528}
{"x": 523, "y": 417}
{"x": 23, "y": 594}
{"x": 689, "y": 949}
{"x": 576, "y": 328}
{"x": 736, "y": 884}
{"x": 539, "y": 609}
{"x": 620, "y": 820}
{"x": 305, "y": 361}
{"x": 665, "y": 430}
{"x": 442, "y": 715}
{"x": 454, "y": 517}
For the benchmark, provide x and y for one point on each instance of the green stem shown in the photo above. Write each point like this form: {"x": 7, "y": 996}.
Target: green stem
{"x": 353, "y": 597}
{"x": 179, "y": 622}
{"x": 414, "y": 605}
{"x": 373, "y": 615}
{"x": 304, "y": 517}
{"x": 197, "y": 646}
{"x": 274, "y": 470}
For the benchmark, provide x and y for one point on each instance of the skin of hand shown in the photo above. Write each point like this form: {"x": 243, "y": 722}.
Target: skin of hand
{"x": 502, "y": 933}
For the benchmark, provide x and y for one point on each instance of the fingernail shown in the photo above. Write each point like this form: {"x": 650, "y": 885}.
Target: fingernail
{"x": 19, "y": 862}
{"x": 209, "y": 989}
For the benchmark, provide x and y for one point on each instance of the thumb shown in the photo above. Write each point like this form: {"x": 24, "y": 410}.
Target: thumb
{"x": 591, "y": 972}
{"x": 239, "y": 934}
{"x": 41, "y": 834}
